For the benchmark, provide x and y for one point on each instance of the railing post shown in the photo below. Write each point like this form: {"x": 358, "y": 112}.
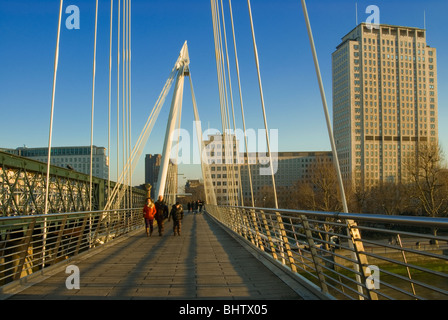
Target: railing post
{"x": 314, "y": 255}
{"x": 406, "y": 262}
{"x": 81, "y": 235}
{"x": 259, "y": 242}
{"x": 245, "y": 226}
{"x": 362, "y": 263}
{"x": 268, "y": 234}
{"x": 235, "y": 220}
{"x": 286, "y": 242}
{"x": 58, "y": 241}
{"x": 24, "y": 254}
{"x": 248, "y": 231}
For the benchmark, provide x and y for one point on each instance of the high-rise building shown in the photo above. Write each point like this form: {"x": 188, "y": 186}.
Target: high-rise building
{"x": 75, "y": 158}
{"x": 152, "y": 168}
{"x": 384, "y": 101}
{"x": 222, "y": 155}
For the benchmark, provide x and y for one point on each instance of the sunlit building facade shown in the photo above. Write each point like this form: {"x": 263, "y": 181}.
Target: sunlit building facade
{"x": 384, "y": 101}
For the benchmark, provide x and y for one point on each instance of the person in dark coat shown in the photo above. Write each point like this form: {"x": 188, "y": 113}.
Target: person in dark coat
{"x": 161, "y": 214}
{"x": 177, "y": 213}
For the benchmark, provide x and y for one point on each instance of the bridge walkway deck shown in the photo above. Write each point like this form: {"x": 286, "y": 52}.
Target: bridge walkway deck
{"x": 205, "y": 262}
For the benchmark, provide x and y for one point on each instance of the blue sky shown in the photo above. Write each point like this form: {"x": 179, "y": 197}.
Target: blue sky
{"x": 159, "y": 29}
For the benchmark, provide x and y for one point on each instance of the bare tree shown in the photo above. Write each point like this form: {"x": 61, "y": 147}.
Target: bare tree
{"x": 387, "y": 198}
{"x": 325, "y": 185}
{"x": 427, "y": 181}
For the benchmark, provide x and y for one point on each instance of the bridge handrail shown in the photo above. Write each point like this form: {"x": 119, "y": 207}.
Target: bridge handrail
{"x": 28, "y": 244}
{"x": 379, "y": 218}
{"x": 409, "y": 256}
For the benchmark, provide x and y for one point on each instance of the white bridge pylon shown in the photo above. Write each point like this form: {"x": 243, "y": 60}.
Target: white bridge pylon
{"x": 178, "y": 73}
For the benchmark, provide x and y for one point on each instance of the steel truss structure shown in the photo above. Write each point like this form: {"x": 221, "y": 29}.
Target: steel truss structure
{"x": 23, "y": 183}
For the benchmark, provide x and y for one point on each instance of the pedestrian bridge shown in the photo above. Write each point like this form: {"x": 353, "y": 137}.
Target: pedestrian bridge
{"x": 223, "y": 253}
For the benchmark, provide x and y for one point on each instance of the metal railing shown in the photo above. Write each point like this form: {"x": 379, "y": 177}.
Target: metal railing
{"x": 396, "y": 258}
{"x": 31, "y": 243}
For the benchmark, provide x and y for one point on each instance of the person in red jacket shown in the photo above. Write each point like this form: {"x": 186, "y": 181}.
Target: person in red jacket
{"x": 149, "y": 211}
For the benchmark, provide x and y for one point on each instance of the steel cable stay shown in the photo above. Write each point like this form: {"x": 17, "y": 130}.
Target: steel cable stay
{"x": 118, "y": 90}
{"x": 228, "y": 150}
{"x": 353, "y": 231}
{"x": 222, "y": 60}
{"x": 210, "y": 196}
{"x": 110, "y": 95}
{"x": 124, "y": 101}
{"x": 233, "y": 184}
{"x": 262, "y": 103}
{"x": 93, "y": 103}
{"x": 219, "y": 66}
{"x": 222, "y": 80}
{"x": 55, "y": 71}
{"x": 141, "y": 141}
{"x": 242, "y": 109}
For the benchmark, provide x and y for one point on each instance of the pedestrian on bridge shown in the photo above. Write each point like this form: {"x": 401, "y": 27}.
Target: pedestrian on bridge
{"x": 177, "y": 213}
{"x": 149, "y": 211}
{"x": 161, "y": 214}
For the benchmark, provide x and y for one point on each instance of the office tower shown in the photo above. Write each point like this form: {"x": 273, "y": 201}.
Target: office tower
{"x": 384, "y": 101}
{"x": 152, "y": 168}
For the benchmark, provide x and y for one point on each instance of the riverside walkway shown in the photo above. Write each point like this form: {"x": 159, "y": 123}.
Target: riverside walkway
{"x": 205, "y": 262}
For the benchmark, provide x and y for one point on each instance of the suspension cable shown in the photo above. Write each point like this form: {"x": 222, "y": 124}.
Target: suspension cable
{"x": 47, "y": 186}
{"x": 232, "y": 171}
{"x": 222, "y": 84}
{"x": 118, "y": 89}
{"x": 93, "y": 104}
{"x": 123, "y": 85}
{"x": 138, "y": 148}
{"x": 205, "y": 168}
{"x": 130, "y": 101}
{"x": 110, "y": 85}
{"x": 324, "y": 102}
{"x": 262, "y": 103}
{"x": 55, "y": 71}
{"x": 242, "y": 108}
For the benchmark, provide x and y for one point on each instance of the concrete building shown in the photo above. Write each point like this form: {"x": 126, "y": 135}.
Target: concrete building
{"x": 288, "y": 168}
{"x": 384, "y": 101}
{"x": 223, "y": 168}
{"x": 75, "y": 158}
{"x": 291, "y": 167}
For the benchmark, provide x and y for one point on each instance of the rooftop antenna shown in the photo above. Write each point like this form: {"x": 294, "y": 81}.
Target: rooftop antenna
{"x": 356, "y": 9}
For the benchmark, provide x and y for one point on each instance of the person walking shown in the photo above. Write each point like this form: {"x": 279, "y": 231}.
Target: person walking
{"x": 161, "y": 208}
{"x": 149, "y": 211}
{"x": 177, "y": 213}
